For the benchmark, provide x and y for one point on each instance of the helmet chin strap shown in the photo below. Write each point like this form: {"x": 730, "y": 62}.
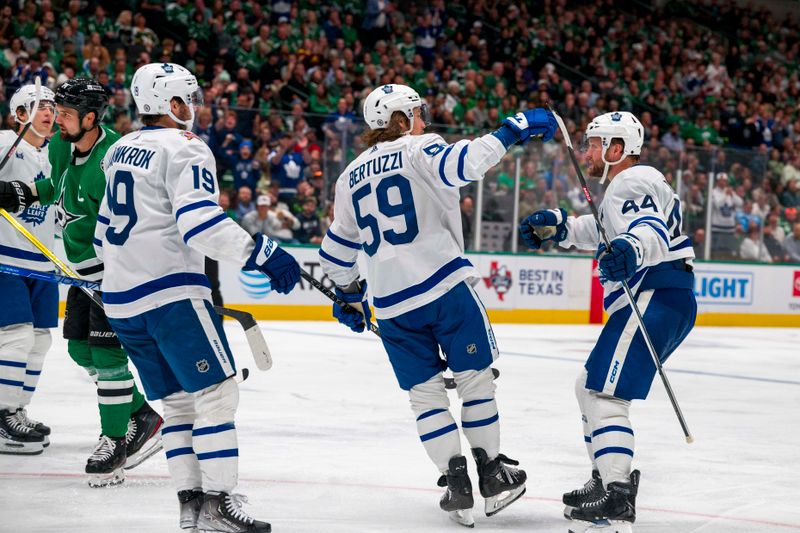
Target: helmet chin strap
{"x": 609, "y": 164}
{"x": 411, "y": 123}
{"x": 187, "y": 124}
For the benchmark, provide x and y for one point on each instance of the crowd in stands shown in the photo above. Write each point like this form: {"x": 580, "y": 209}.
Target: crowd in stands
{"x": 717, "y": 87}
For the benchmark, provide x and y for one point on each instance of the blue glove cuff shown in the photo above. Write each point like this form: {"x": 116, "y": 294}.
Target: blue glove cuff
{"x": 261, "y": 252}
{"x": 506, "y": 135}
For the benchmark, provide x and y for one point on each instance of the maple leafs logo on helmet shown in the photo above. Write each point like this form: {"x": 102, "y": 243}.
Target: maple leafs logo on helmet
{"x": 616, "y": 117}
{"x": 168, "y": 68}
{"x": 387, "y": 89}
{"x": 385, "y": 100}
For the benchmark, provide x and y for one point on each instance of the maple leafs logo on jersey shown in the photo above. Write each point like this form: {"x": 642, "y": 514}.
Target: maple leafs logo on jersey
{"x": 499, "y": 279}
{"x": 189, "y": 135}
{"x": 34, "y": 214}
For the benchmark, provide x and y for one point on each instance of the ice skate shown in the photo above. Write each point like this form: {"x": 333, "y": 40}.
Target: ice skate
{"x": 591, "y": 491}
{"x": 143, "y": 439}
{"x": 105, "y": 464}
{"x": 22, "y": 416}
{"x": 223, "y": 512}
{"x": 614, "y": 510}
{"x": 500, "y": 484}
{"x": 17, "y": 438}
{"x": 190, "y": 501}
{"x": 457, "y": 499}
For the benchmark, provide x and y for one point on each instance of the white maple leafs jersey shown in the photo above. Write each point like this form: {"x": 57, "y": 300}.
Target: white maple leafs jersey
{"x": 398, "y": 202}
{"x": 159, "y": 218}
{"x": 638, "y": 202}
{"x": 26, "y": 164}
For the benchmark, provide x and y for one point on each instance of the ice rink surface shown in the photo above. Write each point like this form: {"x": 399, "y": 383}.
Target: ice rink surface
{"x": 328, "y": 443}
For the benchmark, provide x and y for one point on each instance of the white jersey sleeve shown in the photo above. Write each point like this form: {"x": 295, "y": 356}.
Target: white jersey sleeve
{"x": 581, "y": 233}
{"x": 27, "y": 164}
{"x": 398, "y": 205}
{"x": 162, "y": 218}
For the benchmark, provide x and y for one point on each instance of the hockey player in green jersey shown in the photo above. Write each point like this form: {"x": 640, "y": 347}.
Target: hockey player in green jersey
{"x": 130, "y": 428}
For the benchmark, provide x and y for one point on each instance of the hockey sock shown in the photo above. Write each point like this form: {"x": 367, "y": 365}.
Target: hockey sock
{"x": 214, "y": 436}
{"x": 583, "y": 396}
{"x": 612, "y": 437}
{"x": 179, "y": 418}
{"x": 16, "y": 343}
{"x": 115, "y": 388}
{"x": 33, "y": 368}
{"x": 80, "y": 353}
{"x": 479, "y": 417}
{"x": 437, "y": 428}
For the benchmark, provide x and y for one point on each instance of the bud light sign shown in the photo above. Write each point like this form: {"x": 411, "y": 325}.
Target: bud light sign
{"x": 723, "y": 288}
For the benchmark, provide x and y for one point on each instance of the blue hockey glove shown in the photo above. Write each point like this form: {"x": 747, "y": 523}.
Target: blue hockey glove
{"x": 354, "y": 320}
{"x": 281, "y": 268}
{"x": 622, "y": 260}
{"x": 519, "y": 128}
{"x": 546, "y": 225}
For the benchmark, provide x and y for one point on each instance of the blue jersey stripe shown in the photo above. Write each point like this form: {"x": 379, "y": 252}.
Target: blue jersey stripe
{"x": 441, "y": 165}
{"x": 608, "y": 429}
{"x": 643, "y": 219}
{"x": 655, "y": 228}
{"x": 432, "y": 412}
{"x": 685, "y": 244}
{"x": 97, "y": 242}
{"x": 233, "y": 452}
{"x": 204, "y": 226}
{"x": 480, "y": 423}
{"x": 180, "y": 279}
{"x": 613, "y": 449}
{"x": 423, "y": 287}
{"x": 103, "y": 220}
{"x": 438, "y": 432}
{"x": 193, "y": 206}
{"x": 22, "y": 254}
{"x": 611, "y": 298}
{"x": 179, "y": 451}
{"x": 335, "y": 261}
{"x": 177, "y": 428}
{"x": 344, "y": 242}
{"x": 210, "y": 430}
{"x": 460, "y": 169}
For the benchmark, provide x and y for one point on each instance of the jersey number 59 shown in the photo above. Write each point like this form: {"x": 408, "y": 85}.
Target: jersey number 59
{"x": 404, "y": 208}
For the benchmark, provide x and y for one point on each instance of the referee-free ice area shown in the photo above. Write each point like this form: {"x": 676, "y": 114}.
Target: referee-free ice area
{"x": 327, "y": 442}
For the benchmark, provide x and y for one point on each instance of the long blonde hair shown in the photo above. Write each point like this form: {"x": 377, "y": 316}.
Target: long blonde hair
{"x": 398, "y": 126}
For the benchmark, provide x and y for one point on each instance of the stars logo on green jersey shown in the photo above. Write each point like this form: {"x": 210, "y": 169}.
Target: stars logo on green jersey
{"x": 63, "y": 216}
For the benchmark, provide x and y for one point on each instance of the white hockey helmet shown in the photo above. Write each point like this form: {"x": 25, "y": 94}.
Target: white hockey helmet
{"x": 617, "y": 125}
{"x": 386, "y": 99}
{"x": 156, "y": 84}
{"x": 25, "y": 97}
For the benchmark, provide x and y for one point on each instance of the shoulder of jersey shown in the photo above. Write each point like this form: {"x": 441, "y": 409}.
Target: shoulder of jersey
{"x": 7, "y": 137}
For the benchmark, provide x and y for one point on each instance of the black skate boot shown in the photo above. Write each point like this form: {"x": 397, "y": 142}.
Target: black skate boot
{"x": 16, "y": 438}
{"x": 457, "y": 499}
{"x": 223, "y": 512}
{"x": 500, "y": 484}
{"x": 617, "y": 505}
{"x": 22, "y": 416}
{"x": 105, "y": 464}
{"x": 191, "y": 501}
{"x": 591, "y": 491}
{"x": 143, "y": 438}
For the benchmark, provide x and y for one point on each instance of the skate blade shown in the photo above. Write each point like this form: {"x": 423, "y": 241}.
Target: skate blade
{"x": 568, "y": 512}
{"x": 148, "y": 449}
{"x": 495, "y": 504}
{"x": 46, "y": 442}
{"x": 603, "y": 526}
{"x": 463, "y": 517}
{"x": 98, "y": 481}
{"x": 21, "y": 448}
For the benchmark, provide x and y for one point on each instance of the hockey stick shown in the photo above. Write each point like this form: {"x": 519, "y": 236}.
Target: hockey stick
{"x": 48, "y": 276}
{"x": 255, "y": 338}
{"x": 449, "y": 383}
{"x": 628, "y": 293}
{"x": 28, "y": 123}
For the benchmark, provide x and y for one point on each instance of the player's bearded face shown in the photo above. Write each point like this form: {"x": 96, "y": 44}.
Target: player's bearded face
{"x": 593, "y": 158}
{"x": 69, "y": 124}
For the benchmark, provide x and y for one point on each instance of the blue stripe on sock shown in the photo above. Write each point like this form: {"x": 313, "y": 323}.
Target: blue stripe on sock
{"x": 608, "y": 429}
{"x": 176, "y": 428}
{"x": 33, "y": 372}
{"x": 13, "y": 364}
{"x": 179, "y": 451}
{"x": 613, "y": 449}
{"x": 425, "y": 415}
{"x": 480, "y": 423}
{"x": 28, "y": 389}
{"x": 11, "y": 383}
{"x": 476, "y": 402}
{"x": 213, "y": 429}
{"x": 587, "y": 438}
{"x": 438, "y": 432}
{"x": 220, "y": 454}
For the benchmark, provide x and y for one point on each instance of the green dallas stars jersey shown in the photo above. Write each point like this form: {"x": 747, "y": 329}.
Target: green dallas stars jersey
{"x": 76, "y": 187}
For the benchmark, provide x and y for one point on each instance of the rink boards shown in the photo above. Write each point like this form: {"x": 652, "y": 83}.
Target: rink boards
{"x": 556, "y": 289}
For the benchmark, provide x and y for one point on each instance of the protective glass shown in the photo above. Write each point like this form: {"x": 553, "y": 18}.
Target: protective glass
{"x": 425, "y": 114}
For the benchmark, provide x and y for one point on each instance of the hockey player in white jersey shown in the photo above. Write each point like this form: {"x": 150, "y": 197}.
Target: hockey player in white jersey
{"x": 159, "y": 218}
{"x": 399, "y": 203}
{"x": 28, "y": 307}
{"x": 641, "y": 214}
